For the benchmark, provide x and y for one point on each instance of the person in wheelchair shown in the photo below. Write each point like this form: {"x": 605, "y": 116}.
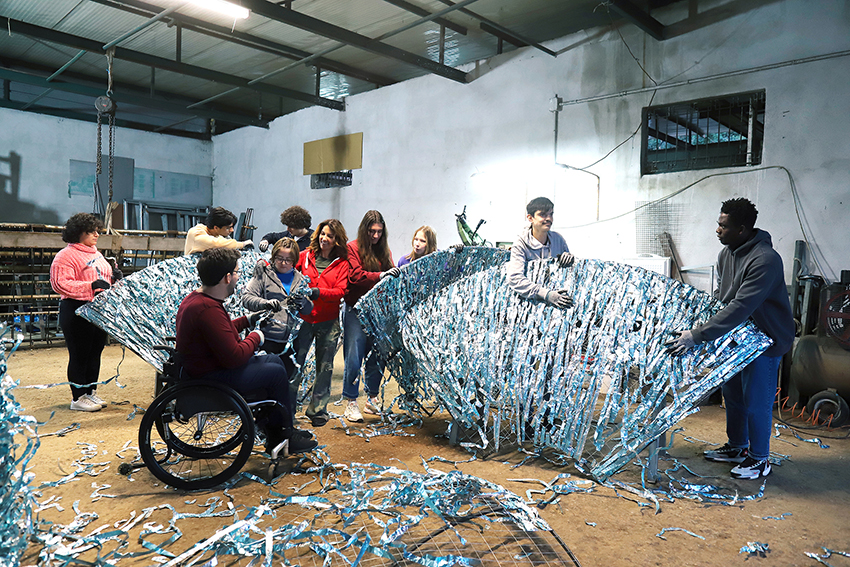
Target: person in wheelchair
{"x": 210, "y": 348}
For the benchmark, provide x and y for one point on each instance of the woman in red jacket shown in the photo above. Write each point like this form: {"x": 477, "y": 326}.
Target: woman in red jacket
{"x": 371, "y": 260}
{"x": 77, "y": 274}
{"x": 325, "y": 263}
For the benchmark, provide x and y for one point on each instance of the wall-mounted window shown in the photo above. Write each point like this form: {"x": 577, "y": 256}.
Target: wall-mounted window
{"x": 724, "y": 131}
{"x": 328, "y": 180}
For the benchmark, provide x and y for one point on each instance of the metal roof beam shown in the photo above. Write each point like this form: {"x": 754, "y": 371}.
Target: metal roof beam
{"x": 516, "y": 37}
{"x": 166, "y": 64}
{"x": 129, "y": 98}
{"x": 414, "y": 9}
{"x": 638, "y": 17}
{"x": 62, "y": 113}
{"x": 196, "y": 25}
{"x": 325, "y": 29}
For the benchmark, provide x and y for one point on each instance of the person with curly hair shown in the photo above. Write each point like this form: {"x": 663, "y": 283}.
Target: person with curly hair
{"x": 214, "y": 233}
{"x": 371, "y": 261}
{"x": 297, "y": 222}
{"x": 424, "y": 242}
{"x": 325, "y": 263}
{"x": 751, "y": 282}
{"x": 78, "y": 273}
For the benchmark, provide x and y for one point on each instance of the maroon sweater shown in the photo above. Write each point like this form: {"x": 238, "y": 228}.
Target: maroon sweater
{"x": 207, "y": 339}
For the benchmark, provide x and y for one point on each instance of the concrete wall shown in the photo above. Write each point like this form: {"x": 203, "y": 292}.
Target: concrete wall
{"x": 432, "y": 146}
{"x": 35, "y": 151}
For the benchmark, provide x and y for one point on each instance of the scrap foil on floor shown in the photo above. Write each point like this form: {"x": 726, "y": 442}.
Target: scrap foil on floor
{"x": 593, "y": 382}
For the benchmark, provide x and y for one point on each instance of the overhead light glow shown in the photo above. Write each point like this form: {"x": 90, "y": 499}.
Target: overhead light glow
{"x": 223, "y": 7}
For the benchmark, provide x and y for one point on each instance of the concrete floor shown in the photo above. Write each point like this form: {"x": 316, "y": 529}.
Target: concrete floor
{"x": 808, "y": 492}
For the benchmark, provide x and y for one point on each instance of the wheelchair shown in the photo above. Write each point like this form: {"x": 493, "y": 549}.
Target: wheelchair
{"x": 198, "y": 434}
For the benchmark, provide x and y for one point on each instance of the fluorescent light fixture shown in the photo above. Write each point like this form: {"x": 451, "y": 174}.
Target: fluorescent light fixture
{"x": 223, "y": 7}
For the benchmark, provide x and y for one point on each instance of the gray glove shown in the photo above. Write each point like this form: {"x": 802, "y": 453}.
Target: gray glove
{"x": 680, "y": 344}
{"x": 565, "y": 259}
{"x": 98, "y": 285}
{"x": 273, "y": 305}
{"x": 559, "y": 299}
{"x": 301, "y": 302}
{"x": 391, "y": 273}
{"x": 254, "y": 317}
{"x": 456, "y": 247}
{"x": 263, "y": 245}
{"x": 314, "y": 293}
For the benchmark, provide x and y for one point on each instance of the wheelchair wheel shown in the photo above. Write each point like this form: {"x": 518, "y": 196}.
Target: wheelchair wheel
{"x": 196, "y": 435}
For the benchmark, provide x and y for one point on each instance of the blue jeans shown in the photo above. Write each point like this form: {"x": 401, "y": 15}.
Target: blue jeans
{"x": 263, "y": 377}
{"x": 749, "y": 399}
{"x": 357, "y": 346}
{"x": 326, "y": 335}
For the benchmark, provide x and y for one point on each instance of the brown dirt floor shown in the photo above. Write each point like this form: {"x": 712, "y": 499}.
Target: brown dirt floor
{"x": 812, "y": 486}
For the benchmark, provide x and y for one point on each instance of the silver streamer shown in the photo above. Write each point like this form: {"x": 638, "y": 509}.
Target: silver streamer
{"x": 140, "y": 311}
{"x": 755, "y": 548}
{"x": 593, "y": 382}
{"x": 16, "y": 494}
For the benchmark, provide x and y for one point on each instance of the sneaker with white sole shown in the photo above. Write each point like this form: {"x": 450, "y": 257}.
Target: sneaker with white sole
{"x": 727, "y": 454}
{"x": 85, "y": 403}
{"x": 97, "y": 399}
{"x": 352, "y": 412}
{"x": 752, "y": 468}
{"x": 373, "y": 406}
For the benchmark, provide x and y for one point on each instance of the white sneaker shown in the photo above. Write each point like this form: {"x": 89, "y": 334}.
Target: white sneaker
{"x": 97, "y": 399}
{"x": 352, "y": 412}
{"x": 85, "y": 403}
{"x": 373, "y": 406}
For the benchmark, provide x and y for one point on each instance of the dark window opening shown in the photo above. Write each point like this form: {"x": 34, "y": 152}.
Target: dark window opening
{"x": 724, "y": 131}
{"x": 329, "y": 180}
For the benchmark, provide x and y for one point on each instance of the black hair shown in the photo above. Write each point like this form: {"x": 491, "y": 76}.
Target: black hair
{"x": 539, "y": 204}
{"x": 741, "y": 212}
{"x": 215, "y": 263}
{"x": 296, "y": 217}
{"x": 219, "y": 216}
{"x": 79, "y": 224}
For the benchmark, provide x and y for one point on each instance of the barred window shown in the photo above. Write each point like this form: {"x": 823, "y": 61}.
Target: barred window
{"x": 723, "y": 131}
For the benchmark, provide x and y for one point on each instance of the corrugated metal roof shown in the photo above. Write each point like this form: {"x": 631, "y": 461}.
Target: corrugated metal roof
{"x": 246, "y": 50}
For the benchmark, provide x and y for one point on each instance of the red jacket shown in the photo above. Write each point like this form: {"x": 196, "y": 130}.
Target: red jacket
{"x": 208, "y": 339}
{"x": 332, "y": 285}
{"x": 359, "y": 280}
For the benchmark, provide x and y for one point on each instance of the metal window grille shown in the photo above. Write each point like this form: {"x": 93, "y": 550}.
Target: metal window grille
{"x": 724, "y": 131}
{"x": 328, "y": 180}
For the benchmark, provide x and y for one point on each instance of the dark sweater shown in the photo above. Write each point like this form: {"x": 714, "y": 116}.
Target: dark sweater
{"x": 303, "y": 241}
{"x": 207, "y": 339}
{"x": 752, "y": 283}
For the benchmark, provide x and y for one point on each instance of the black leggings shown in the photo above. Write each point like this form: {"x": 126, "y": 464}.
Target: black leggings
{"x": 85, "y": 343}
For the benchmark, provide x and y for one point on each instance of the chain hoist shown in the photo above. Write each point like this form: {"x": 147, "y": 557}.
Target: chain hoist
{"x": 105, "y": 105}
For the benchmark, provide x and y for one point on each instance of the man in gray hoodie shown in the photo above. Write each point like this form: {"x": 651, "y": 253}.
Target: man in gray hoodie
{"x": 752, "y": 284}
{"x": 534, "y": 242}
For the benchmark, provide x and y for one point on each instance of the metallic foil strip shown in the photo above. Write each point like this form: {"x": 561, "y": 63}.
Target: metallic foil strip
{"x": 661, "y": 533}
{"x": 755, "y": 548}
{"x": 593, "y": 382}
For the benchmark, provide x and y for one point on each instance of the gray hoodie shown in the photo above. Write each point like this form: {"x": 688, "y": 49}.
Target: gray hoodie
{"x": 265, "y": 286}
{"x": 528, "y": 248}
{"x": 752, "y": 284}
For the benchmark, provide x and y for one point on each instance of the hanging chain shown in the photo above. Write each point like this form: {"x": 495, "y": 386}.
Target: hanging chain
{"x": 111, "y": 154}
{"x": 97, "y": 158}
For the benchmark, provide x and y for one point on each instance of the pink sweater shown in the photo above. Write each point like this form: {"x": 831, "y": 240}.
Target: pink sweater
{"x": 73, "y": 270}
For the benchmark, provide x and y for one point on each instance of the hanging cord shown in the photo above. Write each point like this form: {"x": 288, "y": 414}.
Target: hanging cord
{"x": 110, "y": 204}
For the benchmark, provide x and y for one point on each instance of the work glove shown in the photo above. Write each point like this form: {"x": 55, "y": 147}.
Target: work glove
{"x": 680, "y": 344}
{"x": 456, "y": 247}
{"x": 559, "y": 299}
{"x": 262, "y": 336}
{"x": 116, "y": 273}
{"x": 99, "y": 285}
{"x": 301, "y": 302}
{"x": 273, "y": 305}
{"x": 254, "y": 317}
{"x": 391, "y": 273}
{"x": 314, "y": 293}
{"x": 565, "y": 259}
{"x": 247, "y": 245}
{"x": 263, "y": 246}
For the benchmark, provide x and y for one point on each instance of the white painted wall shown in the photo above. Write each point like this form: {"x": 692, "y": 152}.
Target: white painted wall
{"x": 46, "y": 144}
{"x": 432, "y": 146}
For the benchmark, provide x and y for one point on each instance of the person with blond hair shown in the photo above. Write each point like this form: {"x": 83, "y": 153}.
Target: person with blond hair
{"x": 424, "y": 242}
